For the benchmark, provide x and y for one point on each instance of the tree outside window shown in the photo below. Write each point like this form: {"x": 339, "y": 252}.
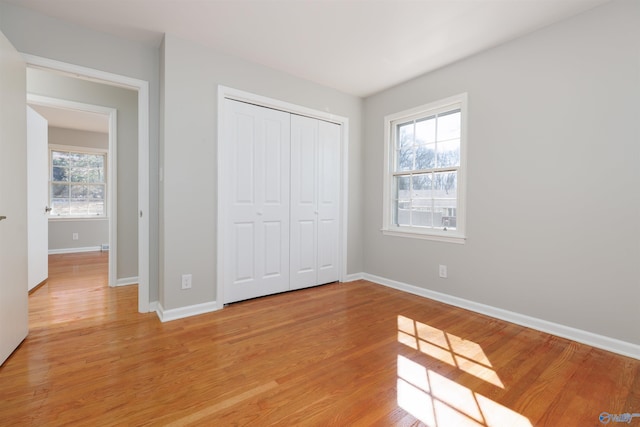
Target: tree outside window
{"x": 78, "y": 184}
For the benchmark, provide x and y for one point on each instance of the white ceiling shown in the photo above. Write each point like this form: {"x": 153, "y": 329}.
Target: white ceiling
{"x": 73, "y": 119}
{"x": 356, "y": 46}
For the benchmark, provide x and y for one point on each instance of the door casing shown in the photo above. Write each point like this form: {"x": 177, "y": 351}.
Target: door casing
{"x": 142, "y": 88}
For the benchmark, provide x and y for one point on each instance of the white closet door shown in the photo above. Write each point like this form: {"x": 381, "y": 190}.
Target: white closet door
{"x": 257, "y": 233}
{"x": 304, "y": 207}
{"x": 315, "y": 181}
{"x": 328, "y": 201}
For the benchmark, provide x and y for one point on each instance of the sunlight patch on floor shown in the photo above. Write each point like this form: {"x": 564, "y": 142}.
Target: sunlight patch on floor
{"x": 438, "y": 401}
{"x": 448, "y": 348}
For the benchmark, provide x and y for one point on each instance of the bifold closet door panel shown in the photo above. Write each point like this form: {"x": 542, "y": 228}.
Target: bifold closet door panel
{"x": 304, "y": 206}
{"x": 328, "y": 201}
{"x": 315, "y": 197}
{"x": 257, "y": 144}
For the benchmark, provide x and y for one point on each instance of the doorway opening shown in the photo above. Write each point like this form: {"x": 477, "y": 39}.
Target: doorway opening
{"x": 81, "y": 178}
{"x": 138, "y": 213}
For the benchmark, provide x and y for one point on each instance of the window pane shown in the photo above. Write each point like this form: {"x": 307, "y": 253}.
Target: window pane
{"x": 60, "y": 207}
{"x": 79, "y": 208}
{"x": 405, "y": 135}
{"x": 426, "y": 130}
{"x": 449, "y": 125}
{"x": 402, "y": 216}
{"x": 445, "y": 213}
{"x": 405, "y": 159}
{"x": 445, "y": 185}
{"x": 78, "y": 174}
{"x": 95, "y": 175}
{"x": 76, "y": 159}
{"x": 421, "y": 216}
{"x": 59, "y": 158}
{"x": 95, "y": 208}
{"x": 95, "y": 192}
{"x": 78, "y": 192}
{"x": 403, "y": 189}
{"x": 94, "y": 160}
{"x": 421, "y": 186}
{"x": 86, "y": 174}
{"x": 425, "y": 157}
{"x": 449, "y": 153}
{"x": 80, "y": 160}
{"x": 60, "y": 174}
{"x": 59, "y": 190}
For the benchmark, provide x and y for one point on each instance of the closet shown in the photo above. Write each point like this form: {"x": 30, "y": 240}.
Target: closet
{"x": 282, "y": 175}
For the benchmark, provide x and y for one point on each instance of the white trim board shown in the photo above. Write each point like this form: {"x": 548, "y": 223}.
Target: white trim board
{"x": 353, "y": 277}
{"x": 74, "y": 250}
{"x": 142, "y": 87}
{"x": 153, "y": 306}
{"x": 259, "y": 100}
{"x": 182, "y": 312}
{"x": 600, "y": 341}
{"x": 126, "y": 281}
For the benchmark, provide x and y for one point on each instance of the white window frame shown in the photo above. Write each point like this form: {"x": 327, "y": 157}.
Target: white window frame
{"x": 80, "y": 150}
{"x": 438, "y": 234}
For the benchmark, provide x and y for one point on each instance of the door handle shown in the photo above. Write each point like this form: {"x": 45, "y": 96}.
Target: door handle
{"x": 2, "y": 217}
{"x": 47, "y": 209}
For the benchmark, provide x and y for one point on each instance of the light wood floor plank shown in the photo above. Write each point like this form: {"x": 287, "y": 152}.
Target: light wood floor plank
{"x": 355, "y": 354}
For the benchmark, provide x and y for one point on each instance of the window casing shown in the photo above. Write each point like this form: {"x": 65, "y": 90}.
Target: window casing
{"x": 77, "y": 182}
{"x": 425, "y": 162}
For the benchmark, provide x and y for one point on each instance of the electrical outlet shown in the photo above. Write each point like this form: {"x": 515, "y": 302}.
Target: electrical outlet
{"x": 74, "y": 236}
{"x": 186, "y": 281}
{"x": 442, "y": 270}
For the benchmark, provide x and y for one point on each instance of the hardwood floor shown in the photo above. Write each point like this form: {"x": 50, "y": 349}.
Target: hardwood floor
{"x": 353, "y": 354}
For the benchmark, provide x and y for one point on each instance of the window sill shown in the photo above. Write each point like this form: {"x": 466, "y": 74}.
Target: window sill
{"x": 77, "y": 218}
{"x": 412, "y": 234}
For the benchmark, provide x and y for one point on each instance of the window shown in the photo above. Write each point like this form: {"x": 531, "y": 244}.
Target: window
{"x": 424, "y": 166}
{"x": 77, "y": 182}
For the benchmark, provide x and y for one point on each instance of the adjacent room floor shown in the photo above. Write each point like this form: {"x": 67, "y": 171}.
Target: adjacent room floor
{"x": 342, "y": 354}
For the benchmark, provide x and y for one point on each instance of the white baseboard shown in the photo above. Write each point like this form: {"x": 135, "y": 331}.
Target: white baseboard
{"x": 182, "y": 312}
{"x": 353, "y": 277}
{"x": 600, "y": 341}
{"x": 153, "y": 306}
{"x": 74, "y": 250}
{"x": 125, "y": 281}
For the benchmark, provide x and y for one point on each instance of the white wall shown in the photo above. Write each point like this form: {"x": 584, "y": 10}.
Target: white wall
{"x": 191, "y": 75}
{"x": 78, "y": 138}
{"x": 92, "y": 232}
{"x": 40, "y": 35}
{"x": 553, "y": 200}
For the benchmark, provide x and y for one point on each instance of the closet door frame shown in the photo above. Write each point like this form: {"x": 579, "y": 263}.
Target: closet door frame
{"x": 223, "y": 152}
